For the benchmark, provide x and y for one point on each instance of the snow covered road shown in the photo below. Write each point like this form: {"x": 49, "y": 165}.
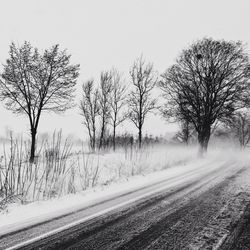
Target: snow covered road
{"x": 173, "y": 210}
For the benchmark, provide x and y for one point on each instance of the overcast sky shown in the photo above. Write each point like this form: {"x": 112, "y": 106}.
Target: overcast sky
{"x": 106, "y": 33}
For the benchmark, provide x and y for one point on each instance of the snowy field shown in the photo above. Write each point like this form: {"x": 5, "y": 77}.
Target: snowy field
{"x": 102, "y": 175}
{"x": 62, "y": 168}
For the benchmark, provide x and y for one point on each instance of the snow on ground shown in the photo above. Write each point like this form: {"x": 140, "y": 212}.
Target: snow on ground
{"x": 80, "y": 170}
{"x": 130, "y": 162}
{"x": 236, "y": 198}
{"x": 152, "y": 165}
{"x": 48, "y": 209}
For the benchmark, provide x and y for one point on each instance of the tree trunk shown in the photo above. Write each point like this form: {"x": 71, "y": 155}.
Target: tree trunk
{"x": 114, "y": 135}
{"x": 203, "y": 139}
{"x": 140, "y": 137}
{"x": 94, "y": 140}
{"x": 90, "y": 138}
{"x": 33, "y": 145}
{"x": 102, "y": 133}
{"x": 101, "y": 139}
{"x": 91, "y": 144}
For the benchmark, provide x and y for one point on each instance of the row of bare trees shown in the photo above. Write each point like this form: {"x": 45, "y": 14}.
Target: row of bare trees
{"x": 208, "y": 83}
{"x": 111, "y": 103}
{"x": 103, "y": 105}
{"x": 32, "y": 82}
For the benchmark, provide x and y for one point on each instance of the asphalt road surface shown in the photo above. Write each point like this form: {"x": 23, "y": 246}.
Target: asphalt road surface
{"x": 164, "y": 215}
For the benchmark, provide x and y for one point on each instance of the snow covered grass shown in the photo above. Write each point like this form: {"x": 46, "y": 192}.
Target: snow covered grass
{"x": 133, "y": 161}
{"x": 62, "y": 168}
{"x": 21, "y": 180}
{"x": 101, "y": 175}
{"x": 38, "y": 211}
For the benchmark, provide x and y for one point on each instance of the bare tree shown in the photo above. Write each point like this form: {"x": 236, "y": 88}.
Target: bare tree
{"x": 140, "y": 100}
{"x": 104, "y": 102}
{"x": 240, "y": 126}
{"x": 186, "y": 132}
{"x": 208, "y": 82}
{"x": 117, "y": 103}
{"x": 32, "y": 82}
{"x": 89, "y": 107}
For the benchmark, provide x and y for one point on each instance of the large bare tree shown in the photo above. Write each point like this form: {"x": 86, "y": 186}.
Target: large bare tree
{"x": 32, "y": 82}
{"x": 117, "y": 103}
{"x": 140, "y": 100}
{"x": 89, "y": 107}
{"x": 208, "y": 82}
{"x": 104, "y": 96}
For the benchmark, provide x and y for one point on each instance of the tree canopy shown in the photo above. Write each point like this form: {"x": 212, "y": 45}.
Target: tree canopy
{"x": 208, "y": 82}
{"x": 32, "y": 82}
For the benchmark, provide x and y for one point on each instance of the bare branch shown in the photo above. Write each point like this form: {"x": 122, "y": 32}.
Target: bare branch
{"x": 140, "y": 101}
{"x": 209, "y": 82}
{"x": 32, "y": 82}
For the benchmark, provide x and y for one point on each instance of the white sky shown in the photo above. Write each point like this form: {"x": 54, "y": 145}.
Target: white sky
{"x": 106, "y": 33}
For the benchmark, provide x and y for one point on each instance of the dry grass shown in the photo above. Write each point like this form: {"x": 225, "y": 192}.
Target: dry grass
{"x": 59, "y": 169}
